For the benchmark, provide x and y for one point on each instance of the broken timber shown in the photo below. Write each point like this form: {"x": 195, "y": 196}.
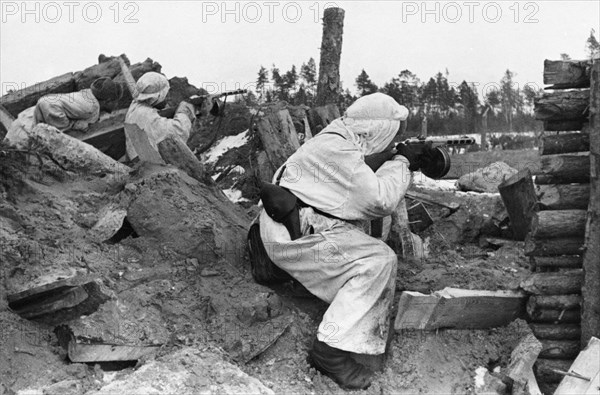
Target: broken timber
{"x": 522, "y": 359}
{"x": 560, "y": 283}
{"x": 518, "y": 195}
{"x": 585, "y": 377}
{"x": 563, "y": 197}
{"x": 174, "y": 152}
{"x": 6, "y": 119}
{"x": 565, "y": 143}
{"x": 458, "y": 308}
{"x": 278, "y": 136}
{"x": 107, "y": 135}
{"x": 558, "y": 223}
{"x": 565, "y": 74}
{"x": 562, "y": 105}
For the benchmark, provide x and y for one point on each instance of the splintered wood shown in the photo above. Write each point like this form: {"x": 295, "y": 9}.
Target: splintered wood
{"x": 458, "y": 308}
{"x": 583, "y": 377}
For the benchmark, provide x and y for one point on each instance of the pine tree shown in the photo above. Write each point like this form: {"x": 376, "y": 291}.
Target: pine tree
{"x": 364, "y": 84}
{"x": 262, "y": 81}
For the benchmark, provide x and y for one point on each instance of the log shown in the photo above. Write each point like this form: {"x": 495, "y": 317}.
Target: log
{"x": 141, "y": 144}
{"x": 136, "y": 70}
{"x": 590, "y": 325}
{"x": 587, "y": 364}
{"x": 556, "y": 332}
{"x": 107, "y": 135}
{"x": 518, "y": 195}
{"x": 563, "y": 197}
{"x": 558, "y": 223}
{"x": 458, "y": 308}
{"x": 564, "y": 169}
{"x": 320, "y": 117}
{"x": 566, "y": 261}
{"x": 565, "y": 143}
{"x": 561, "y": 283}
{"x": 109, "y": 68}
{"x": 410, "y": 244}
{"x": 553, "y": 247}
{"x": 17, "y": 101}
{"x": 278, "y": 136}
{"x": 329, "y": 87}
{"x": 174, "y": 152}
{"x": 558, "y": 302}
{"x": 522, "y": 358}
{"x": 545, "y": 369}
{"x": 563, "y": 74}
{"x": 562, "y": 105}
{"x": 555, "y": 316}
{"x": 6, "y": 119}
{"x": 564, "y": 126}
{"x": 559, "y": 349}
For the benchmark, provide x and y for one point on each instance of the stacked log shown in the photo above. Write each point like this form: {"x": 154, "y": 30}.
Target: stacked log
{"x": 555, "y": 242}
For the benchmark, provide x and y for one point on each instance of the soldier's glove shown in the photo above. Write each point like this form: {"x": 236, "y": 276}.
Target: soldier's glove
{"x": 413, "y": 153}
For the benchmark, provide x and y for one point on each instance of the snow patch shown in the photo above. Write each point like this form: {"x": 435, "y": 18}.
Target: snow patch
{"x": 480, "y": 376}
{"x": 234, "y": 195}
{"x": 420, "y": 180}
{"x": 225, "y": 144}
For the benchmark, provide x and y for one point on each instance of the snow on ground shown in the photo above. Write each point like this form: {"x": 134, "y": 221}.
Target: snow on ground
{"x": 420, "y": 180}
{"x": 234, "y": 195}
{"x": 225, "y": 144}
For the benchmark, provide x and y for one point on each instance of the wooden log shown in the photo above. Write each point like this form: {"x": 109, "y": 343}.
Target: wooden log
{"x": 522, "y": 359}
{"x": 556, "y": 332}
{"x": 545, "y": 369}
{"x": 108, "y": 68}
{"x": 565, "y": 143}
{"x": 458, "y": 308}
{"x": 278, "y": 136}
{"x": 587, "y": 364}
{"x": 141, "y": 144}
{"x": 563, "y": 74}
{"x": 566, "y": 261}
{"x": 562, "y": 105}
{"x": 136, "y": 70}
{"x": 563, "y": 197}
{"x": 553, "y": 247}
{"x": 590, "y": 325}
{"x": 564, "y": 126}
{"x": 518, "y": 195}
{"x": 557, "y": 302}
{"x": 320, "y": 117}
{"x": 554, "y": 316}
{"x": 558, "y": 223}
{"x": 411, "y": 245}
{"x": 561, "y": 283}
{"x": 174, "y": 152}
{"x": 564, "y": 169}
{"x": 559, "y": 349}
{"x": 329, "y": 87}
{"x": 17, "y": 101}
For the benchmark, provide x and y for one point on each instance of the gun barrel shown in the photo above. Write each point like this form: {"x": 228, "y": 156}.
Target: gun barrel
{"x": 439, "y": 141}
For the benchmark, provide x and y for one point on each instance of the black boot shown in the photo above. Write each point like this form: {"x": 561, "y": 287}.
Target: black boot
{"x": 339, "y": 365}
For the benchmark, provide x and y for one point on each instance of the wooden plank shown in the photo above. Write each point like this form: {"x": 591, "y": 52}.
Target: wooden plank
{"x": 587, "y": 364}
{"x": 458, "y": 308}
{"x": 522, "y": 358}
{"x": 563, "y": 197}
{"x": 518, "y": 195}
{"x": 19, "y": 100}
{"x": 565, "y": 143}
{"x": 590, "y": 325}
{"x": 559, "y": 283}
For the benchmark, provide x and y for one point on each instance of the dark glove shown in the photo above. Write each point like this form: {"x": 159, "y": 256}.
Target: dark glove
{"x": 413, "y": 153}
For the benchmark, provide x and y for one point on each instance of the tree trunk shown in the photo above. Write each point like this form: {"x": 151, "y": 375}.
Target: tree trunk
{"x": 19, "y": 100}
{"x": 553, "y": 247}
{"x": 564, "y": 126}
{"x": 559, "y": 349}
{"x": 564, "y": 169}
{"x": 567, "y": 261}
{"x": 562, "y": 105}
{"x": 565, "y": 143}
{"x": 519, "y": 198}
{"x": 556, "y": 332}
{"x": 174, "y": 152}
{"x": 590, "y": 325}
{"x": 565, "y": 74}
{"x": 564, "y": 197}
{"x": 329, "y": 87}
{"x": 279, "y": 138}
{"x": 558, "y": 223}
{"x": 563, "y": 283}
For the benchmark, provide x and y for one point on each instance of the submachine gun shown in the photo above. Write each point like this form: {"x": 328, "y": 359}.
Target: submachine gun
{"x": 430, "y": 155}
{"x": 199, "y": 100}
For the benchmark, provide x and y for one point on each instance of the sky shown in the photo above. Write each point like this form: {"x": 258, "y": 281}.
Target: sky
{"x": 221, "y": 45}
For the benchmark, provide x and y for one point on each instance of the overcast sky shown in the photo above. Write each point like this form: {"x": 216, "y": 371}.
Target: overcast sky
{"x": 224, "y": 43}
